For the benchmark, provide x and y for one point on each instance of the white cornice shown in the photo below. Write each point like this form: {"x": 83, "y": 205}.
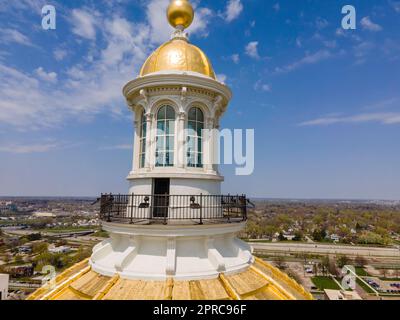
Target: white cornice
{"x": 173, "y": 231}
{"x": 177, "y": 79}
{"x": 175, "y": 174}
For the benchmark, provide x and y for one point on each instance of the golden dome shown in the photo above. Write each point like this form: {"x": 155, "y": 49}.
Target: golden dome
{"x": 261, "y": 281}
{"x": 178, "y": 55}
{"x": 180, "y": 13}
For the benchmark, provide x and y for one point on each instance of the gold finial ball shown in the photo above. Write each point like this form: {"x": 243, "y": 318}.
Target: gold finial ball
{"x": 180, "y": 13}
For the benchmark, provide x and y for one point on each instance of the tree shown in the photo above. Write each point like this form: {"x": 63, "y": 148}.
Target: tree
{"x": 18, "y": 259}
{"x": 34, "y": 236}
{"x": 332, "y": 268}
{"x": 39, "y": 247}
{"x": 315, "y": 269}
{"x": 360, "y": 261}
{"x": 281, "y": 237}
{"x": 298, "y": 236}
{"x": 280, "y": 262}
{"x": 342, "y": 260}
{"x": 319, "y": 235}
{"x": 325, "y": 265}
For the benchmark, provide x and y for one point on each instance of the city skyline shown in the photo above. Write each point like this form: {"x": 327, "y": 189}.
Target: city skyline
{"x": 324, "y": 127}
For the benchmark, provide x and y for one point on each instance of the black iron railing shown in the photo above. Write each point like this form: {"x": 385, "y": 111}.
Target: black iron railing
{"x": 173, "y": 209}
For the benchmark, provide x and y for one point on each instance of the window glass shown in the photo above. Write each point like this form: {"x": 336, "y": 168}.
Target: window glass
{"x": 165, "y": 137}
{"x": 194, "y": 139}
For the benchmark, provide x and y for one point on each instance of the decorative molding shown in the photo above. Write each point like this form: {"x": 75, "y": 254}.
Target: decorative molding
{"x": 184, "y": 95}
{"x": 218, "y": 103}
{"x": 173, "y": 82}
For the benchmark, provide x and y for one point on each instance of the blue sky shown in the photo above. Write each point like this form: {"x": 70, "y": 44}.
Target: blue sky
{"x": 324, "y": 102}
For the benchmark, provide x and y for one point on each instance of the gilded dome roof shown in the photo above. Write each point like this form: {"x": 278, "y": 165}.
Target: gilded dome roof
{"x": 261, "y": 281}
{"x": 178, "y": 55}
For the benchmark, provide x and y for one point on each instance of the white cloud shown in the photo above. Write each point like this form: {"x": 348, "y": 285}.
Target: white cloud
{"x": 277, "y": 7}
{"x": 362, "y": 50}
{"x": 321, "y": 23}
{"x": 252, "y": 50}
{"x": 29, "y": 148}
{"x": 118, "y": 147}
{"x": 60, "y": 54}
{"x": 201, "y": 21}
{"x": 367, "y": 24}
{"x": 233, "y": 10}
{"x": 260, "y": 86}
{"x": 12, "y": 35}
{"x": 160, "y": 29}
{"x": 32, "y": 5}
{"x": 84, "y": 23}
{"x": 235, "y": 58}
{"x": 46, "y": 76}
{"x": 308, "y": 59}
{"x": 90, "y": 87}
{"x": 382, "y": 118}
{"x": 330, "y": 43}
{"x": 222, "y": 77}
{"x": 395, "y": 5}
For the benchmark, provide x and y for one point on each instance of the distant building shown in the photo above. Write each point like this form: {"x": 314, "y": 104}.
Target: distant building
{"x": 341, "y": 295}
{"x": 25, "y": 249}
{"x": 44, "y": 215}
{"x": 4, "y": 278}
{"x": 335, "y": 237}
{"x": 8, "y": 206}
{"x": 21, "y": 271}
{"x": 289, "y": 237}
{"x": 61, "y": 249}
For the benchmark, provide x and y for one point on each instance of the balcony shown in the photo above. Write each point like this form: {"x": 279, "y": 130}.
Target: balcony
{"x": 173, "y": 209}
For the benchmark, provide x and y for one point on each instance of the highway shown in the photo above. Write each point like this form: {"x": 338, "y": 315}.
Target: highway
{"x": 326, "y": 249}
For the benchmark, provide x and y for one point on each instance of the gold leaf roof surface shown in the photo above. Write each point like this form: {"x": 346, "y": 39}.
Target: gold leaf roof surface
{"x": 178, "y": 55}
{"x": 261, "y": 281}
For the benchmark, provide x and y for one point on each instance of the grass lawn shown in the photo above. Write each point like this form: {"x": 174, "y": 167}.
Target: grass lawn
{"x": 325, "y": 283}
{"x": 364, "y": 286}
{"x": 361, "y": 272}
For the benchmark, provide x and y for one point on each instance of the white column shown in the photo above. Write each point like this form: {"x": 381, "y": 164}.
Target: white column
{"x": 181, "y": 150}
{"x": 149, "y": 139}
{"x": 208, "y": 147}
{"x": 136, "y": 145}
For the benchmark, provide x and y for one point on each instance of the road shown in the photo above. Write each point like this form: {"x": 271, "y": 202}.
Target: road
{"x": 65, "y": 234}
{"x": 327, "y": 249}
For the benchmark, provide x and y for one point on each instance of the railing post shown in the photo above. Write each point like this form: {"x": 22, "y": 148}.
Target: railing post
{"x": 109, "y": 208}
{"x": 201, "y": 208}
{"x": 166, "y": 207}
{"x": 244, "y": 210}
{"x": 130, "y": 203}
{"x": 229, "y": 204}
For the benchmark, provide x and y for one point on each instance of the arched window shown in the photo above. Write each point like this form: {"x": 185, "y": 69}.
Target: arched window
{"x": 165, "y": 137}
{"x": 195, "y": 138}
{"x": 143, "y": 133}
